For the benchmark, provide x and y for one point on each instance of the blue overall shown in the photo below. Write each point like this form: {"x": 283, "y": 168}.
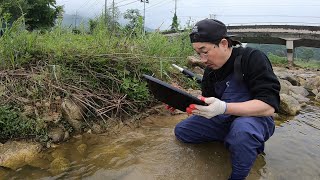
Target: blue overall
{"x": 243, "y": 136}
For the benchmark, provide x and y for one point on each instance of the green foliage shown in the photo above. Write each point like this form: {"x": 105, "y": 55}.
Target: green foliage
{"x": 277, "y": 60}
{"x": 307, "y": 54}
{"x": 135, "y": 89}
{"x": 300, "y": 62}
{"x": 278, "y": 50}
{"x": 14, "y": 125}
{"x": 105, "y": 64}
{"x": 92, "y": 25}
{"x": 16, "y": 44}
{"x": 175, "y": 24}
{"x": 11, "y": 10}
{"x": 135, "y": 21}
{"x": 307, "y": 64}
{"x": 39, "y": 14}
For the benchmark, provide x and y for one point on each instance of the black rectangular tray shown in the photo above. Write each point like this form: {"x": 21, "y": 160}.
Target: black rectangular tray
{"x": 170, "y": 95}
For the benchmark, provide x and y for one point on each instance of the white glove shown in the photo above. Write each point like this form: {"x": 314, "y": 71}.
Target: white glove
{"x": 215, "y": 107}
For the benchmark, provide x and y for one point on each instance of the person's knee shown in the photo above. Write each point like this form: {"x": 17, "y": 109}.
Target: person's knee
{"x": 243, "y": 139}
{"x": 185, "y": 133}
{"x": 197, "y": 129}
{"x": 180, "y": 133}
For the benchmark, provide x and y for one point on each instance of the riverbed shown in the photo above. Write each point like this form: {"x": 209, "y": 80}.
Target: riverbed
{"x": 152, "y": 152}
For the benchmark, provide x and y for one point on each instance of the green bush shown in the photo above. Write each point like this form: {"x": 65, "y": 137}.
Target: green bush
{"x": 313, "y": 64}
{"x": 277, "y": 59}
{"x": 14, "y": 125}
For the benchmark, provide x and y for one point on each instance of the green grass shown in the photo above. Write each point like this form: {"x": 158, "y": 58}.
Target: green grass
{"x": 107, "y": 64}
{"x": 277, "y": 60}
{"x": 312, "y": 64}
{"x": 283, "y": 61}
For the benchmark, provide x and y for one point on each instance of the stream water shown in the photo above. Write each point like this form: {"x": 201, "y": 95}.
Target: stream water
{"x": 152, "y": 152}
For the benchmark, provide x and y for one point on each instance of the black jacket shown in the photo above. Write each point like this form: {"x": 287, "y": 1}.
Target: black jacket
{"x": 258, "y": 76}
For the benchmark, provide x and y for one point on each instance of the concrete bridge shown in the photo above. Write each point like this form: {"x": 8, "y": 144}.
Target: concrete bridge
{"x": 289, "y": 35}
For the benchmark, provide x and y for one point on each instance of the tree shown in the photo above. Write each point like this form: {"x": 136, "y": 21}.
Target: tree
{"x": 175, "y": 24}
{"x": 108, "y": 20}
{"x": 39, "y": 14}
{"x": 11, "y": 10}
{"x": 92, "y": 25}
{"x": 134, "y": 17}
{"x": 307, "y": 54}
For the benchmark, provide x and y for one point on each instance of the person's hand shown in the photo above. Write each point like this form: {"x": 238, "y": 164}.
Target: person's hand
{"x": 215, "y": 107}
{"x": 171, "y": 109}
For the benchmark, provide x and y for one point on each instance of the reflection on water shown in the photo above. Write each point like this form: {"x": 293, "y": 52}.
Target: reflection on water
{"x": 151, "y": 152}
{"x": 294, "y": 151}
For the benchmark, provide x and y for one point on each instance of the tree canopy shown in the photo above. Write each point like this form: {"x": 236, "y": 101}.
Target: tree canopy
{"x": 175, "y": 24}
{"x": 38, "y": 14}
{"x": 134, "y": 17}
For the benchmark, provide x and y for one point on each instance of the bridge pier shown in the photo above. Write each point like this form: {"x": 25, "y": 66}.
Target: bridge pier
{"x": 290, "y": 48}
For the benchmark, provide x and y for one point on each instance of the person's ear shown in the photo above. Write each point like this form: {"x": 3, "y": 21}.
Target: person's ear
{"x": 224, "y": 43}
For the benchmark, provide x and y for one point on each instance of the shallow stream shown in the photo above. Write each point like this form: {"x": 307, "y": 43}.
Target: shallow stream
{"x": 152, "y": 152}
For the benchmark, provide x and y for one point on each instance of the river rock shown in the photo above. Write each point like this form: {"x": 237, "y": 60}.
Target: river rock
{"x": 82, "y": 148}
{"x": 313, "y": 83}
{"x": 289, "y": 105}
{"x": 59, "y": 165}
{"x": 285, "y": 86}
{"x": 13, "y": 154}
{"x": 281, "y": 73}
{"x": 293, "y": 80}
{"x": 38, "y": 160}
{"x": 301, "y": 99}
{"x": 56, "y": 134}
{"x": 72, "y": 113}
{"x": 299, "y": 90}
{"x": 302, "y": 81}
{"x": 317, "y": 98}
{"x": 315, "y": 91}
{"x": 54, "y": 117}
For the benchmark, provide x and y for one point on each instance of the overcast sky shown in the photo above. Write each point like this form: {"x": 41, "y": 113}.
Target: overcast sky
{"x": 159, "y": 13}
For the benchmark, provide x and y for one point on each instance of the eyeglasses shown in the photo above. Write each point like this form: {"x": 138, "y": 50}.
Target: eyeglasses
{"x": 205, "y": 54}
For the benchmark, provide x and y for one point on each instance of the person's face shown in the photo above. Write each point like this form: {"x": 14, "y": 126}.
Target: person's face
{"x": 212, "y": 55}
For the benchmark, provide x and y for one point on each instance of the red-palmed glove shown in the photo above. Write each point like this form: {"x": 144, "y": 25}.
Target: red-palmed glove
{"x": 171, "y": 109}
{"x": 215, "y": 107}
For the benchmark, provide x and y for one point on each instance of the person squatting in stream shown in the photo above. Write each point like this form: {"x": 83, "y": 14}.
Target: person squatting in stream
{"x": 242, "y": 93}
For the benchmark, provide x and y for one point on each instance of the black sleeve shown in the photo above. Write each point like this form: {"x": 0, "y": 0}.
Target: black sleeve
{"x": 207, "y": 84}
{"x": 263, "y": 84}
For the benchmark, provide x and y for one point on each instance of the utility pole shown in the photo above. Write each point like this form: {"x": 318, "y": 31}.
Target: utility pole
{"x": 105, "y": 11}
{"x": 113, "y": 23}
{"x": 75, "y": 20}
{"x": 144, "y": 14}
{"x": 175, "y": 7}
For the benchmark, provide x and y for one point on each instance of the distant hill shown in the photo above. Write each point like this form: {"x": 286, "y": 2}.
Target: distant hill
{"x": 70, "y": 21}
